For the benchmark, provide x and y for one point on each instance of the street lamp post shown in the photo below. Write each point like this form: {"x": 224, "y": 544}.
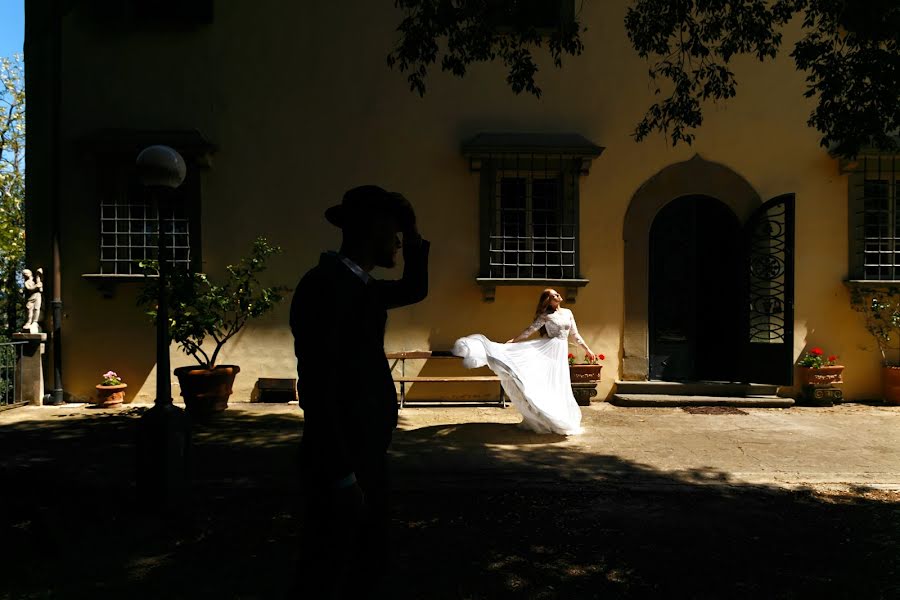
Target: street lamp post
{"x": 164, "y": 430}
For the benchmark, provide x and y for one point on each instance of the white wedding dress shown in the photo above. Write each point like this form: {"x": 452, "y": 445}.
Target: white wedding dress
{"x": 535, "y": 373}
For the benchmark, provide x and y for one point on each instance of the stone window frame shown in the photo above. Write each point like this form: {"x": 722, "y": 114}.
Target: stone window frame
{"x": 113, "y": 153}
{"x": 129, "y": 227}
{"x": 530, "y": 243}
{"x": 569, "y": 154}
{"x": 871, "y": 166}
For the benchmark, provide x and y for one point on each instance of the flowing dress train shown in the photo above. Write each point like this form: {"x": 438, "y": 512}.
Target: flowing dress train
{"x": 534, "y": 374}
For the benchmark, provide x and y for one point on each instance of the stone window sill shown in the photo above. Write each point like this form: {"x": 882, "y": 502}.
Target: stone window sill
{"x": 106, "y": 282}
{"x": 872, "y": 283}
{"x": 570, "y": 286}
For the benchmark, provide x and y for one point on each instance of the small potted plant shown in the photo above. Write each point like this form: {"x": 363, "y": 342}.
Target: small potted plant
{"x": 588, "y": 370}
{"x": 201, "y": 311}
{"x": 111, "y": 391}
{"x": 817, "y": 370}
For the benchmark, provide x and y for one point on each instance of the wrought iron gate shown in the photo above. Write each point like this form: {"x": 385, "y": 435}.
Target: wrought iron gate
{"x": 769, "y": 318}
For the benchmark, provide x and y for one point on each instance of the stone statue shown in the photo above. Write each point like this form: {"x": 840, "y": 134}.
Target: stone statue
{"x": 34, "y": 288}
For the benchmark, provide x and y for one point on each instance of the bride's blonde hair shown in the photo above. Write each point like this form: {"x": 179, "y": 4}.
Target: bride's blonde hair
{"x": 543, "y": 307}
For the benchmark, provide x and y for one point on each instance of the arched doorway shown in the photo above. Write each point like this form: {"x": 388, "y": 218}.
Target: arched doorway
{"x": 694, "y": 177}
{"x": 692, "y": 200}
{"x": 695, "y": 291}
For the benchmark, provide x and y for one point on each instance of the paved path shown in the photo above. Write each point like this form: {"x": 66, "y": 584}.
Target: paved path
{"x": 847, "y": 445}
{"x": 649, "y": 503}
{"x": 850, "y": 444}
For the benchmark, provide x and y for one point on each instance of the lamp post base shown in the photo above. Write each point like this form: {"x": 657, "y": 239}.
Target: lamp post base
{"x": 54, "y": 398}
{"x": 163, "y": 455}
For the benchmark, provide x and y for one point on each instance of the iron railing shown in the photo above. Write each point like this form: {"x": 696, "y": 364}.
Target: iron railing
{"x": 10, "y": 384}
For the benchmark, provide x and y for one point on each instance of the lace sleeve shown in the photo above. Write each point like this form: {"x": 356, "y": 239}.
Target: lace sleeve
{"x": 573, "y": 332}
{"x": 538, "y": 323}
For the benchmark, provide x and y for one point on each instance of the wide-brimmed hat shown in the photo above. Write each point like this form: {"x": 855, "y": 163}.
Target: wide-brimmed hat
{"x": 366, "y": 202}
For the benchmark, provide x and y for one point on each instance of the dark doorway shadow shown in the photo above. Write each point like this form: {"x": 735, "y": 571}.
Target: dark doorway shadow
{"x": 696, "y": 267}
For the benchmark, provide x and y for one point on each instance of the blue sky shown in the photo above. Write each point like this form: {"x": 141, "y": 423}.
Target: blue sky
{"x": 12, "y": 26}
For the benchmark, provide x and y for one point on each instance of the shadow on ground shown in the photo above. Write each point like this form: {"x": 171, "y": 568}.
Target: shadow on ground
{"x": 482, "y": 511}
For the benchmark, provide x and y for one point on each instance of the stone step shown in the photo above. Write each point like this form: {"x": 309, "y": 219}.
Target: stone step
{"x": 695, "y": 388}
{"x": 652, "y": 400}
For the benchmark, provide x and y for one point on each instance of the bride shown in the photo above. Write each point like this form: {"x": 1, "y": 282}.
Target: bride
{"x": 534, "y": 373}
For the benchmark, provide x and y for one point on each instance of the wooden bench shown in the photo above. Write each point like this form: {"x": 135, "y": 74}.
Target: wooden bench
{"x": 402, "y": 357}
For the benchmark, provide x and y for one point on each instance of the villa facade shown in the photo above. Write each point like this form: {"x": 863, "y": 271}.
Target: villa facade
{"x": 719, "y": 261}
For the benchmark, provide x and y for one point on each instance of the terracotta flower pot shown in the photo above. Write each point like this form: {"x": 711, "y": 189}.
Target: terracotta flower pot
{"x": 824, "y": 376}
{"x": 111, "y": 395}
{"x": 584, "y": 373}
{"x": 206, "y": 391}
{"x": 890, "y": 384}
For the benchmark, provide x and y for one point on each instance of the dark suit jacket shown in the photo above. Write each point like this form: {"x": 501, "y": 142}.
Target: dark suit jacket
{"x": 344, "y": 382}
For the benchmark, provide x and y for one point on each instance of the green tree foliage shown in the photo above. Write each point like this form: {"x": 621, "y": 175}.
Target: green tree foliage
{"x": 692, "y": 43}
{"x": 851, "y": 57}
{"x": 202, "y": 311}
{"x": 12, "y": 188}
{"x": 880, "y": 306}
{"x": 463, "y": 32}
{"x": 849, "y": 53}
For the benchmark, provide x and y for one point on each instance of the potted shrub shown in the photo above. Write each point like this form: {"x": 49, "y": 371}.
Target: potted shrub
{"x": 111, "y": 390}
{"x": 587, "y": 371}
{"x": 880, "y": 307}
{"x": 817, "y": 370}
{"x": 204, "y": 314}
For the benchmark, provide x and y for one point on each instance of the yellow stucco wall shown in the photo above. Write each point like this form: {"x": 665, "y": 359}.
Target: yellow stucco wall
{"x": 299, "y": 101}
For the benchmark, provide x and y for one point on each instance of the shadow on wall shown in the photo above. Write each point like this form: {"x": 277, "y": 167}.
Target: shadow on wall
{"x": 494, "y": 511}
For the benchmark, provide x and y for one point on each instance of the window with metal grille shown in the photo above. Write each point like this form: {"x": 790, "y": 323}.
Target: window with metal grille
{"x": 529, "y": 196}
{"x": 875, "y": 219}
{"x": 129, "y": 234}
{"x": 533, "y": 230}
{"x": 129, "y": 227}
{"x": 523, "y": 14}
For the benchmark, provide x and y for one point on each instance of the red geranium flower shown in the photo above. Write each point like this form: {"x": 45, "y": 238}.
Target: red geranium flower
{"x": 571, "y": 355}
{"x": 815, "y": 359}
{"x": 601, "y": 357}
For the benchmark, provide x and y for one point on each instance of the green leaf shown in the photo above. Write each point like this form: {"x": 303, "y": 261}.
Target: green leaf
{"x": 214, "y": 310}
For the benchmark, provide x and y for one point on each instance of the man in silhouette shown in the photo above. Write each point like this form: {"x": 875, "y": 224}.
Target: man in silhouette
{"x": 345, "y": 388}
